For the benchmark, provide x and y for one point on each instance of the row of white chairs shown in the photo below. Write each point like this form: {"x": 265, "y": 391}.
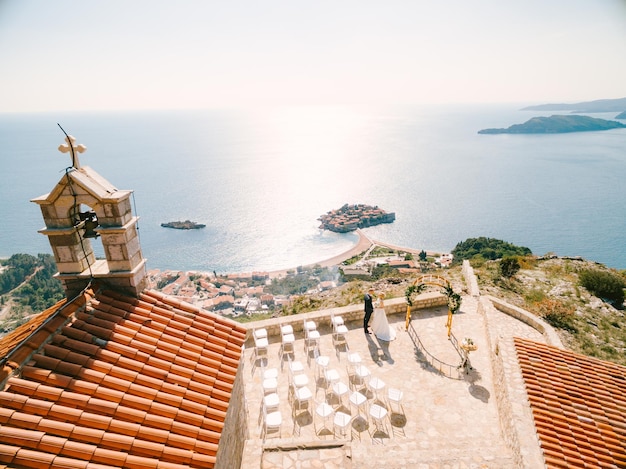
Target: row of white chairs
{"x": 311, "y": 337}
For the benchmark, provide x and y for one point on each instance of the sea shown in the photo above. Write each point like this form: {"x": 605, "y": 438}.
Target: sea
{"x": 260, "y": 178}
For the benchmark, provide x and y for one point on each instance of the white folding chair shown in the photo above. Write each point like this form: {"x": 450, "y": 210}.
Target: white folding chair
{"x": 394, "y": 398}
{"x": 301, "y": 398}
{"x": 297, "y": 376}
{"x": 336, "y": 321}
{"x": 287, "y": 340}
{"x": 270, "y": 381}
{"x": 340, "y": 390}
{"x": 354, "y": 359}
{"x": 341, "y": 423}
{"x": 271, "y": 402}
{"x": 360, "y": 377}
{"x": 272, "y": 421}
{"x": 339, "y": 331}
{"x": 321, "y": 363}
{"x": 311, "y": 337}
{"x": 379, "y": 418}
{"x": 260, "y": 333}
{"x": 338, "y": 325}
{"x": 331, "y": 375}
{"x": 324, "y": 411}
{"x": 358, "y": 401}
{"x": 375, "y": 386}
{"x": 261, "y": 347}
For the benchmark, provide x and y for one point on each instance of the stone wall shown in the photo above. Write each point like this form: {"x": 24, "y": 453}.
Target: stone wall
{"x": 516, "y": 421}
{"x": 235, "y": 431}
{"x": 552, "y": 338}
{"x": 349, "y": 313}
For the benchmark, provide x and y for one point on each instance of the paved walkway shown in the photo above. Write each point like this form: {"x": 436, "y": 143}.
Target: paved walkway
{"x": 447, "y": 422}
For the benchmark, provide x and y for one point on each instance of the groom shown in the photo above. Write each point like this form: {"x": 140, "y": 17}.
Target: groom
{"x": 369, "y": 308}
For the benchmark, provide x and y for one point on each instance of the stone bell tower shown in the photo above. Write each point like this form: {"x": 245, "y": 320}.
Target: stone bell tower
{"x": 81, "y": 208}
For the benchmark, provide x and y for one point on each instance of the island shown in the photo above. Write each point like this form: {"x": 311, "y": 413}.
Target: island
{"x": 183, "y": 225}
{"x": 351, "y": 217}
{"x": 599, "y": 105}
{"x": 557, "y": 124}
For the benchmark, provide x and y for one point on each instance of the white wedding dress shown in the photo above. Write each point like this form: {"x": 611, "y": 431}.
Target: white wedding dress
{"x": 380, "y": 326}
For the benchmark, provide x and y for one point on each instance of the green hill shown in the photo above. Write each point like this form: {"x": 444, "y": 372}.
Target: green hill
{"x": 557, "y": 124}
{"x": 599, "y": 105}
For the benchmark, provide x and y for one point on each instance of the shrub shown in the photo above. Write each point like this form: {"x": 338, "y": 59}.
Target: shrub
{"x": 535, "y": 295}
{"x": 556, "y": 313}
{"x": 604, "y": 284}
{"x": 508, "y": 267}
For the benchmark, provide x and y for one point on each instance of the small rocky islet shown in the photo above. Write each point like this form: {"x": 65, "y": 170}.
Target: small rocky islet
{"x": 183, "y": 225}
{"x": 351, "y": 217}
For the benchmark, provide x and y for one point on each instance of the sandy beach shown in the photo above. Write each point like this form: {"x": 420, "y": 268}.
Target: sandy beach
{"x": 364, "y": 244}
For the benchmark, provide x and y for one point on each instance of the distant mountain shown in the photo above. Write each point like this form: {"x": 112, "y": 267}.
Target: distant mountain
{"x": 621, "y": 115}
{"x": 557, "y": 124}
{"x": 600, "y": 105}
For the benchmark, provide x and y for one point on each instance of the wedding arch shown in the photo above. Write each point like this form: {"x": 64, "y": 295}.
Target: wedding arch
{"x": 424, "y": 281}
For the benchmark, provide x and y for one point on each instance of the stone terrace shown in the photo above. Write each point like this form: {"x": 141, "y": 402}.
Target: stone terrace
{"x": 450, "y": 419}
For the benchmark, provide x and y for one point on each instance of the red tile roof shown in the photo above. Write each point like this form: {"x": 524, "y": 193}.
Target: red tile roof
{"x": 116, "y": 381}
{"x": 578, "y": 404}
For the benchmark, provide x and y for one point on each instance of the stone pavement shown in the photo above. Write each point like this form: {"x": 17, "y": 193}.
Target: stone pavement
{"x": 450, "y": 418}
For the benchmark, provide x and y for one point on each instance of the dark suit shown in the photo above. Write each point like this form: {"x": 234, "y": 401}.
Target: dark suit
{"x": 369, "y": 309}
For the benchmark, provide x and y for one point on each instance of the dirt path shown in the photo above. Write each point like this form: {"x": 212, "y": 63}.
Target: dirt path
{"x": 8, "y": 296}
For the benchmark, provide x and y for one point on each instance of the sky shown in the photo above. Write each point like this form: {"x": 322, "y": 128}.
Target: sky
{"x": 120, "y": 55}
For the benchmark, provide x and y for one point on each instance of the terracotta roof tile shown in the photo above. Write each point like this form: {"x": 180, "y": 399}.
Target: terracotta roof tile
{"x": 37, "y": 407}
{"x": 8, "y": 453}
{"x": 10, "y": 341}
{"x": 55, "y": 428}
{"x": 62, "y": 413}
{"x": 115, "y": 442}
{"x": 121, "y": 427}
{"x": 158, "y": 421}
{"x": 147, "y": 448}
{"x": 577, "y": 403}
{"x": 132, "y": 382}
{"x": 140, "y": 462}
{"x": 60, "y": 462}
{"x": 20, "y": 436}
{"x": 30, "y": 458}
{"x": 110, "y": 457}
{"x": 92, "y": 420}
{"x": 87, "y": 435}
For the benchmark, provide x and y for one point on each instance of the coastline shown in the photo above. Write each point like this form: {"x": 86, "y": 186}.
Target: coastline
{"x": 363, "y": 244}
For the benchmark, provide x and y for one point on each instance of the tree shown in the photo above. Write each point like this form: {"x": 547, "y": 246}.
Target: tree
{"x": 423, "y": 255}
{"x": 508, "y": 267}
{"x": 486, "y": 248}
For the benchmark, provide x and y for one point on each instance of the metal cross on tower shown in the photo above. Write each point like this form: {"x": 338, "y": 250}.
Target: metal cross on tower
{"x": 71, "y": 147}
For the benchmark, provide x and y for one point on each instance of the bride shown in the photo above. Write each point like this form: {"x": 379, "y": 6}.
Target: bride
{"x": 379, "y": 324}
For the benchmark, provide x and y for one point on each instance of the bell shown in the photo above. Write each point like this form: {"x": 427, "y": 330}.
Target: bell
{"x": 91, "y": 223}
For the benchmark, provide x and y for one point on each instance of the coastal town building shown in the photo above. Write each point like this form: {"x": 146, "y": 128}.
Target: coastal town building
{"x": 351, "y": 217}
{"x": 121, "y": 375}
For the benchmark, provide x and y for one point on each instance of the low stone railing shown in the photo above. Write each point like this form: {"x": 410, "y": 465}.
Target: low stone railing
{"x": 516, "y": 420}
{"x": 349, "y": 313}
{"x": 552, "y": 338}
